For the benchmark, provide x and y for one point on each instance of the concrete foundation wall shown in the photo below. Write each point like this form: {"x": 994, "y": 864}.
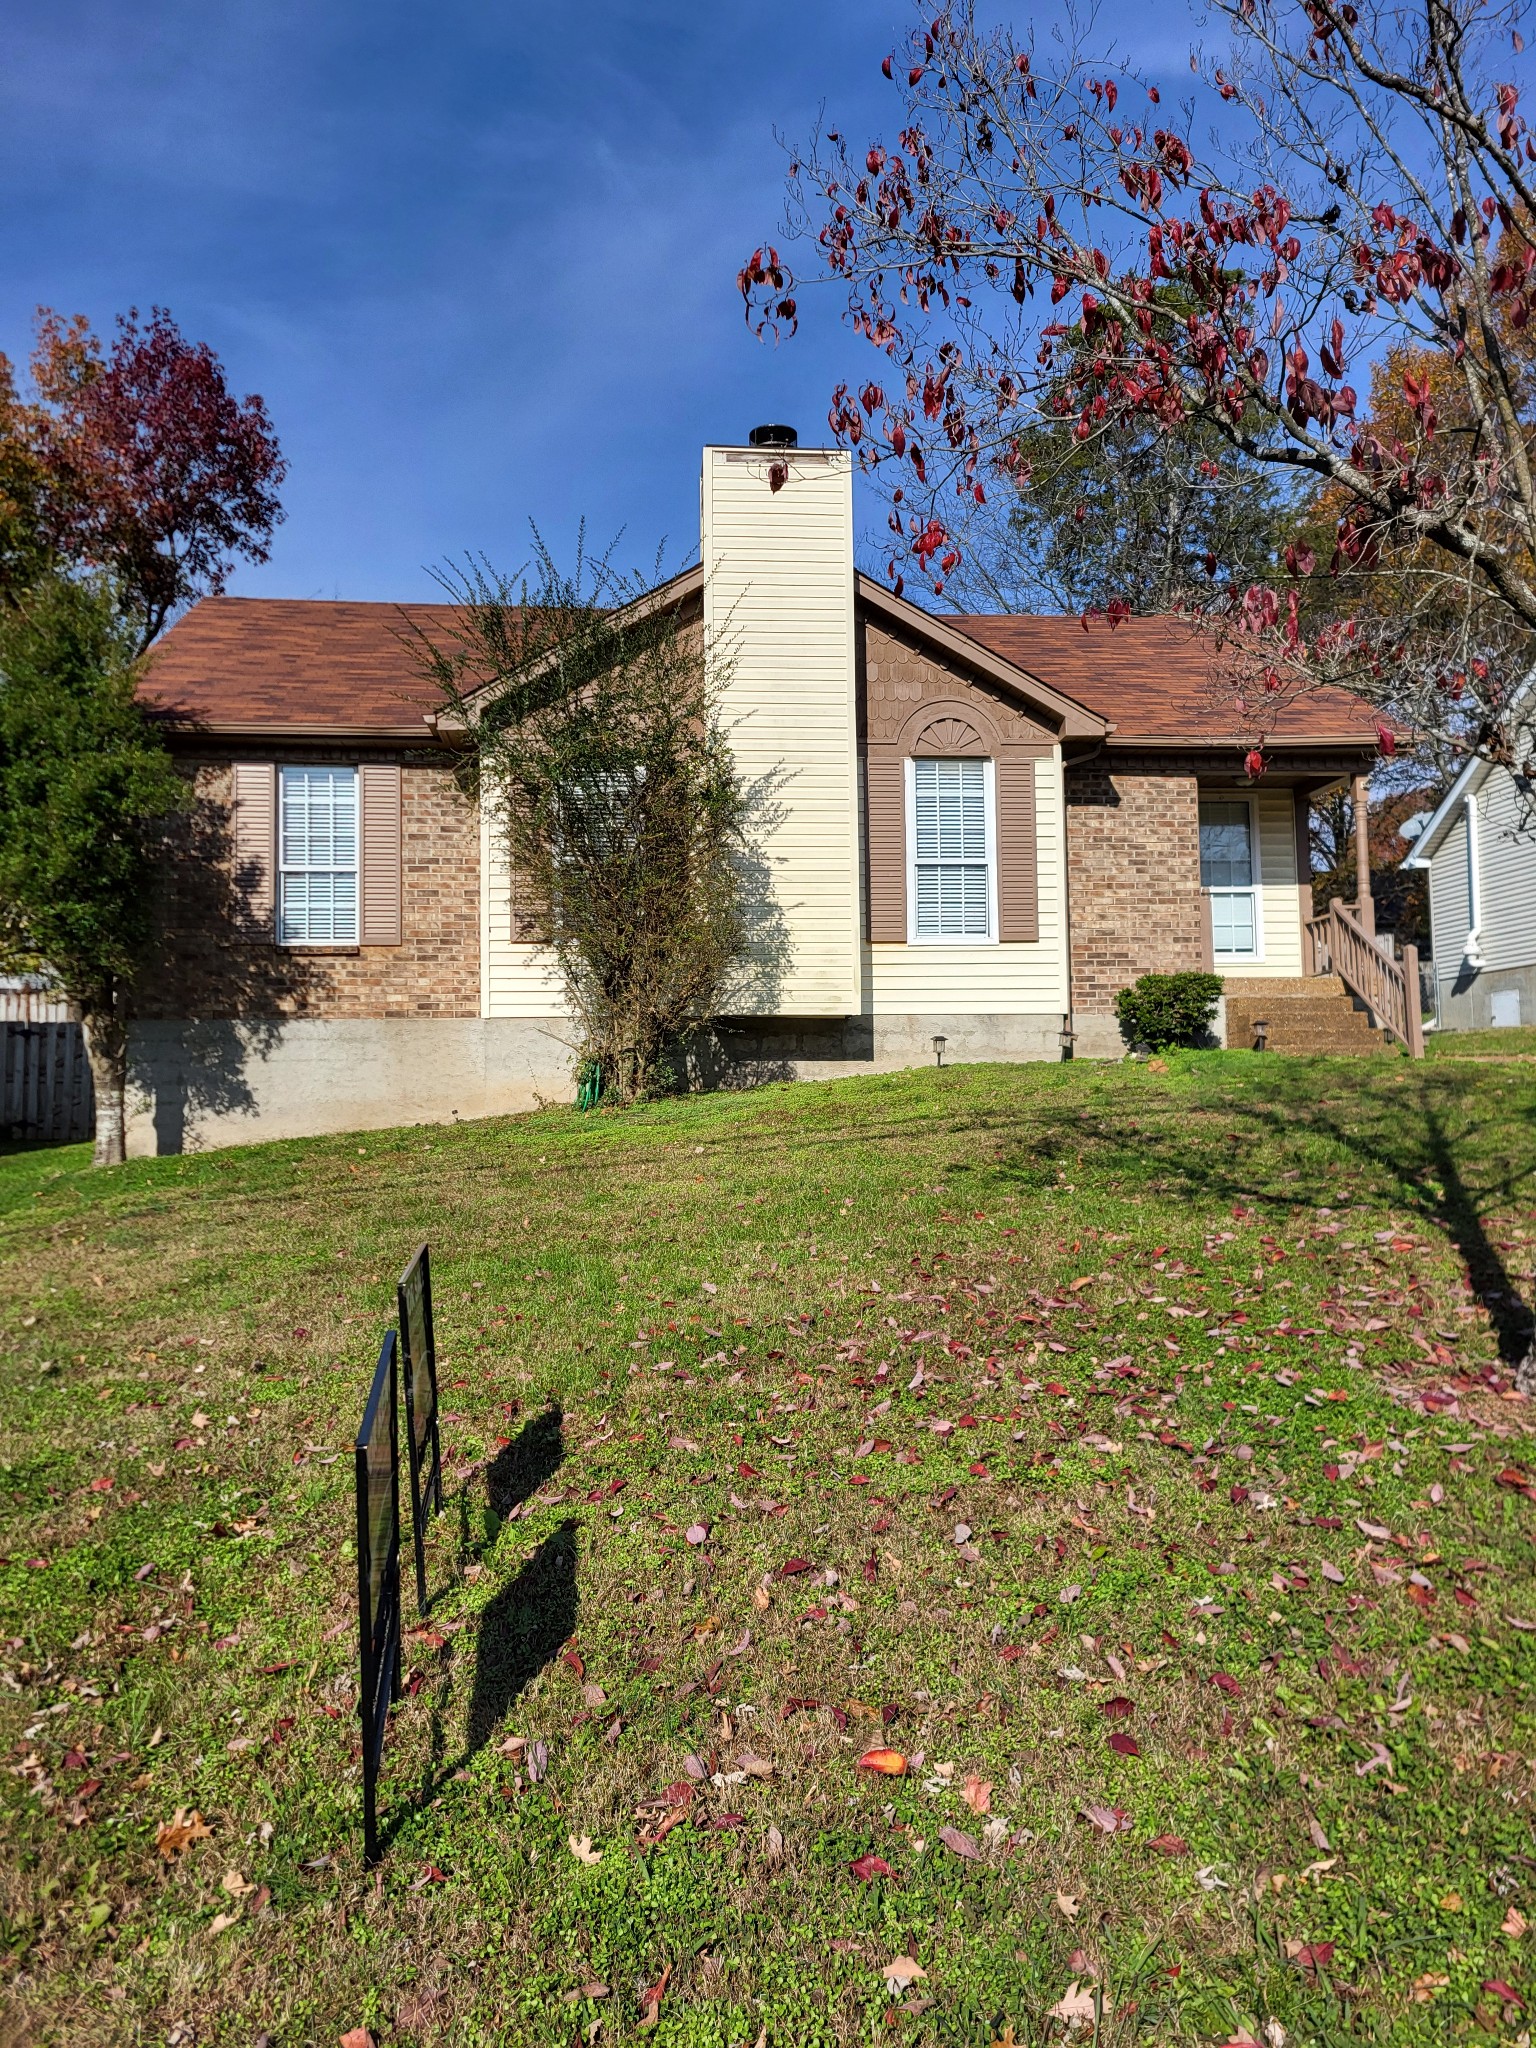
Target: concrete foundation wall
{"x": 197, "y": 1086}
{"x": 201, "y": 1085}
{"x": 1465, "y": 999}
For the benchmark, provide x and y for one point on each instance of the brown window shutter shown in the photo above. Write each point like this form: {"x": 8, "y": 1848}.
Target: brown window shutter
{"x": 379, "y": 794}
{"x": 885, "y": 801}
{"x": 253, "y": 828}
{"x": 1018, "y": 886}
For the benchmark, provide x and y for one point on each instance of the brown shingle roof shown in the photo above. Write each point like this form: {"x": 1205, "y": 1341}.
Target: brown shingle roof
{"x": 248, "y": 663}
{"x": 1152, "y": 678}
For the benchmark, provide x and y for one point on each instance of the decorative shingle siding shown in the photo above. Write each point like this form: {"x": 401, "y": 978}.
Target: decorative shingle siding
{"x": 899, "y": 674}
{"x": 206, "y": 966}
{"x": 1133, "y": 878}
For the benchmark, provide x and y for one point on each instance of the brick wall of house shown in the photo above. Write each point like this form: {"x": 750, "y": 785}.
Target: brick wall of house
{"x": 1133, "y": 878}
{"x": 205, "y": 966}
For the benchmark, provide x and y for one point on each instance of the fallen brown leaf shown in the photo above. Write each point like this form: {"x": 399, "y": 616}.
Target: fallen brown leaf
{"x": 1075, "y": 2004}
{"x": 901, "y": 1971}
{"x": 173, "y": 1837}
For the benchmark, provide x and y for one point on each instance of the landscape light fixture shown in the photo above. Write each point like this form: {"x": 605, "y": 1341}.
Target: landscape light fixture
{"x": 1261, "y": 1034}
{"x": 939, "y": 1042}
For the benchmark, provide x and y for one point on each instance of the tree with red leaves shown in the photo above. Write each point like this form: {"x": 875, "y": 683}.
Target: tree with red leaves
{"x": 137, "y": 460}
{"x": 1014, "y": 255}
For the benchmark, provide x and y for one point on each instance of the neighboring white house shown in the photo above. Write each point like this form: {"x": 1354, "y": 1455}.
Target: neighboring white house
{"x": 1479, "y": 851}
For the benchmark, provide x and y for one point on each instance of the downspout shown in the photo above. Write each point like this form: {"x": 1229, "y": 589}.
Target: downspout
{"x": 1473, "y": 950}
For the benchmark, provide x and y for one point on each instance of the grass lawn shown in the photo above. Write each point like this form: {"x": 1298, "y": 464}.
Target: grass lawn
{"x": 1130, "y": 1450}
{"x": 1513, "y": 1042}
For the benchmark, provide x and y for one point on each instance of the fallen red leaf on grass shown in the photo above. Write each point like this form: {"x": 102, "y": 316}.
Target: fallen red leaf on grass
{"x": 1314, "y": 1956}
{"x": 1169, "y": 1845}
{"x": 1502, "y": 1990}
{"x": 888, "y": 1763}
{"x": 1108, "y": 1819}
{"x": 1224, "y": 1682}
{"x": 871, "y": 1866}
{"x": 960, "y": 1844}
{"x": 792, "y": 1565}
{"x": 1123, "y": 1744}
{"x": 650, "y": 2002}
{"x": 1117, "y": 1709}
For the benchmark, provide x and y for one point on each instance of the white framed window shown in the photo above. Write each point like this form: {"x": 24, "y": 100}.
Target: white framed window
{"x": 952, "y": 852}
{"x": 317, "y": 856}
{"x": 1229, "y": 875}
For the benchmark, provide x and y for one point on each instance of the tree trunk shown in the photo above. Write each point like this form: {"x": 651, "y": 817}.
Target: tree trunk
{"x": 106, "y": 1047}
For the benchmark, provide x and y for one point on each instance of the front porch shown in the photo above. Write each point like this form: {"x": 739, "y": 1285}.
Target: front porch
{"x": 1353, "y": 990}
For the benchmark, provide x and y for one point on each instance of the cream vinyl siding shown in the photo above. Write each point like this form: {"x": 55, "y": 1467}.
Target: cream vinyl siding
{"x": 1279, "y": 901}
{"x": 989, "y": 979}
{"x": 1508, "y": 872}
{"x": 778, "y": 617}
{"x": 516, "y": 980}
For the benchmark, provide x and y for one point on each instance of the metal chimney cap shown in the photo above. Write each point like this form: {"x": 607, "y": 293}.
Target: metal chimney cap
{"x": 773, "y": 437}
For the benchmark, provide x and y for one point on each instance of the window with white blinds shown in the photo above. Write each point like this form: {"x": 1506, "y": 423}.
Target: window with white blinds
{"x": 317, "y": 857}
{"x": 952, "y": 838}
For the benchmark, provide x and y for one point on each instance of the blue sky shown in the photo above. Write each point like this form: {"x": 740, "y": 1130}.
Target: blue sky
{"x": 478, "y": 259}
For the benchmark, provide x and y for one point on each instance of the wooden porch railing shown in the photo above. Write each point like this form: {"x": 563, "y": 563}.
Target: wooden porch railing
{"x": 1339, "y": 944}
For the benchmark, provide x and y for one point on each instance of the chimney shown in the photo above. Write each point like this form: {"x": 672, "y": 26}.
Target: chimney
{"x": 776, "y": 542}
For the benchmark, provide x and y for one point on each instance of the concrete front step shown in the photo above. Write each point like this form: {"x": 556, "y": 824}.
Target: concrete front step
{"x": 1314, "y": 987}
{"x": 1316, "y": 1015}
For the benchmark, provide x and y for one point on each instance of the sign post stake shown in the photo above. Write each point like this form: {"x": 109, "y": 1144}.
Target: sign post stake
{"x": 378, "y": 1575}
{"x": 414, "y": 1297}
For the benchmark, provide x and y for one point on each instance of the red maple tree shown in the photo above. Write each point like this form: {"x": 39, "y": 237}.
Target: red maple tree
{"x": 139, "y": 460}
{"x": 1047, "y": 241}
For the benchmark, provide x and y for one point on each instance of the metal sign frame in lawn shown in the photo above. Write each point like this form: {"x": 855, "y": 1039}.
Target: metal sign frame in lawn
{"x": 378, "y": 1573}
{"x": 414, "y": 1297}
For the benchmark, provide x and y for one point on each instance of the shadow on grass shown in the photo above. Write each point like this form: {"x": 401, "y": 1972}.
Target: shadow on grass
{"x": 521, "y": 1467}
{"x": 518, "y": 1634}
{"x": 527, "y": 1621}
{"x": 1454, "y": 1167}
{"x": 521, "y": 1631}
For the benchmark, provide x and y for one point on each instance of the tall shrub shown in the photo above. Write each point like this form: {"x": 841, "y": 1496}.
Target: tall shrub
{"x": 592, "y": 736}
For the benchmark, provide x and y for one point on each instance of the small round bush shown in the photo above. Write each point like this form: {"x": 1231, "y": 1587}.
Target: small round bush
{"x": 1168, "y": 1009}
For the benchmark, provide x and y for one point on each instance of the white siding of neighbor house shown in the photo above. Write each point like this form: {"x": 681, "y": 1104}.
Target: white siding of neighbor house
{"x": 1279, "y": 893}
{"x": 778, "y": 613}
{"x": 1508, "y": 873}
{"x": 1002, "y": 980}
{"x": 1450, "y": 899}
{"x": 516, "y": 980}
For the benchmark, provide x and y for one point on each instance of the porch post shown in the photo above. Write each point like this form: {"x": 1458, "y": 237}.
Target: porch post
{"x": 1365, "y": 903}
{"x": 1301, "y": 798}
{"x": 1415, "y": 1004}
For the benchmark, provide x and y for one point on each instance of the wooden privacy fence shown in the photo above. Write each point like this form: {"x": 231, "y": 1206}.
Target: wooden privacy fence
{"x": 45, "y": 1084}
{"x": 1339, "y": 944}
